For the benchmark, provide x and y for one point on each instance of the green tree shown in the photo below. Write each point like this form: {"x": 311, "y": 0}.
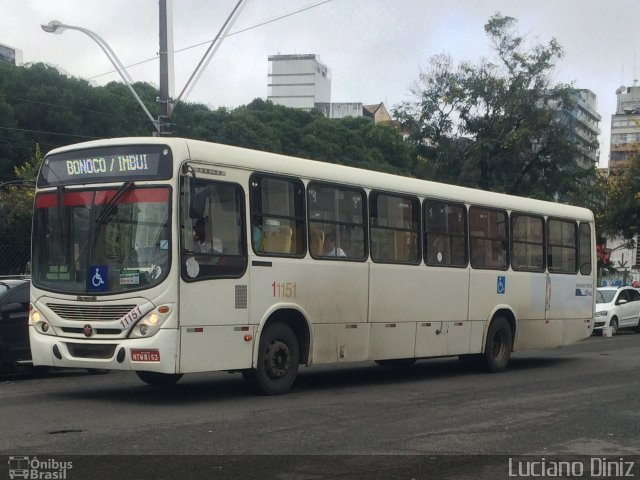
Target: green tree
{"x": 620, "y": 215}
{"x": 496, "y": 125}
{"x": 16, "y": 205}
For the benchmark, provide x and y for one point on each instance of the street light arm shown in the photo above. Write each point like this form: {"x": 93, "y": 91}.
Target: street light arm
{"x": 57, "y": 27}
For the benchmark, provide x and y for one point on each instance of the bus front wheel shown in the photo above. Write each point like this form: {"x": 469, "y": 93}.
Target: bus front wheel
{"x": 158, "y": 379}
{"x": 497, "y": 349}
{"x": 278, "y": 360}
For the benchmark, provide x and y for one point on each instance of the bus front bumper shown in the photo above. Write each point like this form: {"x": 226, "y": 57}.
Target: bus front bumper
{"x": 155, "y": 354}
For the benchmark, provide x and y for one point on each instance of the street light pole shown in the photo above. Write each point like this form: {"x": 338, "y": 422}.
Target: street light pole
{"x": 166, "y": 66}
{"x": 54, "y": 26}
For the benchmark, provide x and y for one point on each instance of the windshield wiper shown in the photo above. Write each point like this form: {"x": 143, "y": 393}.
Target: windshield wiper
{"x": 110, "y": 206}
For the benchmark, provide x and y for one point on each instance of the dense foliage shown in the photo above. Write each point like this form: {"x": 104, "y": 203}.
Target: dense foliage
{"x": 498, "y": 126}
{"x": 40, "y": 105}
{"x": 621, "y": 212}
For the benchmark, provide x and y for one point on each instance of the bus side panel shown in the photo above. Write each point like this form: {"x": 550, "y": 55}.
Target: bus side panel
{"x": 340, "y": 343}
{"x": 211, "y": 326}
{"x": 215, "y": 348}
{"x": 392, "y": 340}
{"x": 527, "y": 292}
{"x": 332, "y": 293}
{"x": 570, "y": 304}
{"x": 431, "y": 299}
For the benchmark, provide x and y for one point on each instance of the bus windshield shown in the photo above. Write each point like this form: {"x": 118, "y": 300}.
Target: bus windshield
{"x": 101, "y": 241}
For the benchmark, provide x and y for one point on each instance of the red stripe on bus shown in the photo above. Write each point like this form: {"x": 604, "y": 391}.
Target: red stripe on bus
{"x": 74, "y": 199}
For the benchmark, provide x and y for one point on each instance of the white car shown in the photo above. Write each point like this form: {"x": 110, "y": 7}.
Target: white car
{"x": 617, "y": 307}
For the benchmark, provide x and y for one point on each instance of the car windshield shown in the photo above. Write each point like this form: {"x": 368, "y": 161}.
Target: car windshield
{"x": 101, "y": 241}
{"x": 8, "y": 284}
{"x": 605, "y": 296}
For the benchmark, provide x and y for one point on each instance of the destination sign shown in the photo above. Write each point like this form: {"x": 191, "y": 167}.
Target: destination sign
{"x": 132, "y": 162}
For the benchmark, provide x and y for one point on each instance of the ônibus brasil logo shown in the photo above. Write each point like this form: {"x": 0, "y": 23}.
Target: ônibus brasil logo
{"x": 37, "y": 469}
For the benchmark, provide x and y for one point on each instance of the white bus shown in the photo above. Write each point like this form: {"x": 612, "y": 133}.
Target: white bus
{"x": 169, "y": 256}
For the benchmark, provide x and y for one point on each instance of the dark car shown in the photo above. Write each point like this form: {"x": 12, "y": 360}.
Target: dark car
{"x": 14, "y": 321}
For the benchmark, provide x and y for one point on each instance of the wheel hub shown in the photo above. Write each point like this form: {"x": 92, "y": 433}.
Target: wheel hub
{"x": 278, "y": 359}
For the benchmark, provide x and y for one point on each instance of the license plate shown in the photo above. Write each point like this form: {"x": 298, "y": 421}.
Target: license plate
{"x": 145, "y": 355}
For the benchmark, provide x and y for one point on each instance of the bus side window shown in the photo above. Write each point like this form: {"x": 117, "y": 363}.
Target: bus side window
{"x": 214, "y": 244}
{"x": 445, "y": 226}
{"x": 337, "y": 222}
{"x": 277, "y": 215}
{"x": 585, "y": 249}
{"x": 562, "y": 246}
{"x": 488, "y": 238}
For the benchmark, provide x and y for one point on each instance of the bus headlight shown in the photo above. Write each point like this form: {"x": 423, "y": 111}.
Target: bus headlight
{"x": 150, "y": 323}
{"x": 40, "y": 323}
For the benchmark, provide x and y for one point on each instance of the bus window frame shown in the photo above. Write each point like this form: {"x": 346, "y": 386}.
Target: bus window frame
{"x": 303, "y": 234}
{"x": 513, "y": 216}
{"x": 373, "y": 194}
{"x": 183, "y": 248}
{"x": 364, "y": 225}
{"x": 465, "y": 235}
{"x": 580, "y": 266}
{"x": 576, "y": 247}
{"x": 506, "y": 240}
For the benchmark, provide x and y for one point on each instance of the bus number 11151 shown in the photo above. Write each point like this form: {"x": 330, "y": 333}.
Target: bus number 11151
{"x": 283, "y": 289}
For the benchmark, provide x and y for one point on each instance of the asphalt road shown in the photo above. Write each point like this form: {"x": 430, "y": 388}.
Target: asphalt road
{"x": 346, "y": 421}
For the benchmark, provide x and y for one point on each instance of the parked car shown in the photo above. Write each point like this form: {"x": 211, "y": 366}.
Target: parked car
{"x": 14, "y": 321}
{"x": 617, "y": 307}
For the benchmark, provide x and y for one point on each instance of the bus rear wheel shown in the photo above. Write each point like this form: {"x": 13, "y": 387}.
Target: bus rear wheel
{"x": 158, "y": 379}
{"x": 278, "y": 361}
{"x": 498, "y": 346}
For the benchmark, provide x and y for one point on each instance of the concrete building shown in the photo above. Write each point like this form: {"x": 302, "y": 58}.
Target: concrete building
{"x": 298, "y": 81}
{"x": 582, "y": 123}
{"x": 585, "y": 122}
{"x": 340, "y": 110}
{"x": 10, "y": 55}
{"x": 625, "y": 126}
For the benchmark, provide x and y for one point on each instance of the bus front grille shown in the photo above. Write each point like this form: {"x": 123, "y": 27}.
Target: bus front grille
{"x": 98, "y": 331}
{"x": 83, "y": 350}
{"x": 90, "y": 313}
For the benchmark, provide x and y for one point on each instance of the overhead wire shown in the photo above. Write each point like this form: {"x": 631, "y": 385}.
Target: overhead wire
{"x": 180, "y": 50}
{"x": 26, "y": 143}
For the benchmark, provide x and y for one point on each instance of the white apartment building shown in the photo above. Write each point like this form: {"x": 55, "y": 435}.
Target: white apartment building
{"x": 298, "y": 81}
{"x": 10, "y": 55}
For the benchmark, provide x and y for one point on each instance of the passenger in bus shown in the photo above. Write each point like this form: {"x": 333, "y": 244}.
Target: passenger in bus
{"x": 200, "y": 242}
{"x": 330, "y": 249}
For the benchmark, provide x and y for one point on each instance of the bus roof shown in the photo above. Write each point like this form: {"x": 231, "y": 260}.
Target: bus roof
{"x": 254, "y": 160}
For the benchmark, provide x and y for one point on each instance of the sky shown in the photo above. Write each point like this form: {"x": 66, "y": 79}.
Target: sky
{"x": 375, "y": 49}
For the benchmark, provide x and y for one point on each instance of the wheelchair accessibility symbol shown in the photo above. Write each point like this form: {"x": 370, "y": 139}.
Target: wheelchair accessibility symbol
{"x": 98, "y": 276}
{"x": 502, "y": 285}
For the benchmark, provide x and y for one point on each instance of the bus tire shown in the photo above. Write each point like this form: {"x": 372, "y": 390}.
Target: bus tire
{"x": 397, "y": 362}
{"x": 158, "y": 379}
{"x": 498, "y": 346}
{"x": 278, "y": 361}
